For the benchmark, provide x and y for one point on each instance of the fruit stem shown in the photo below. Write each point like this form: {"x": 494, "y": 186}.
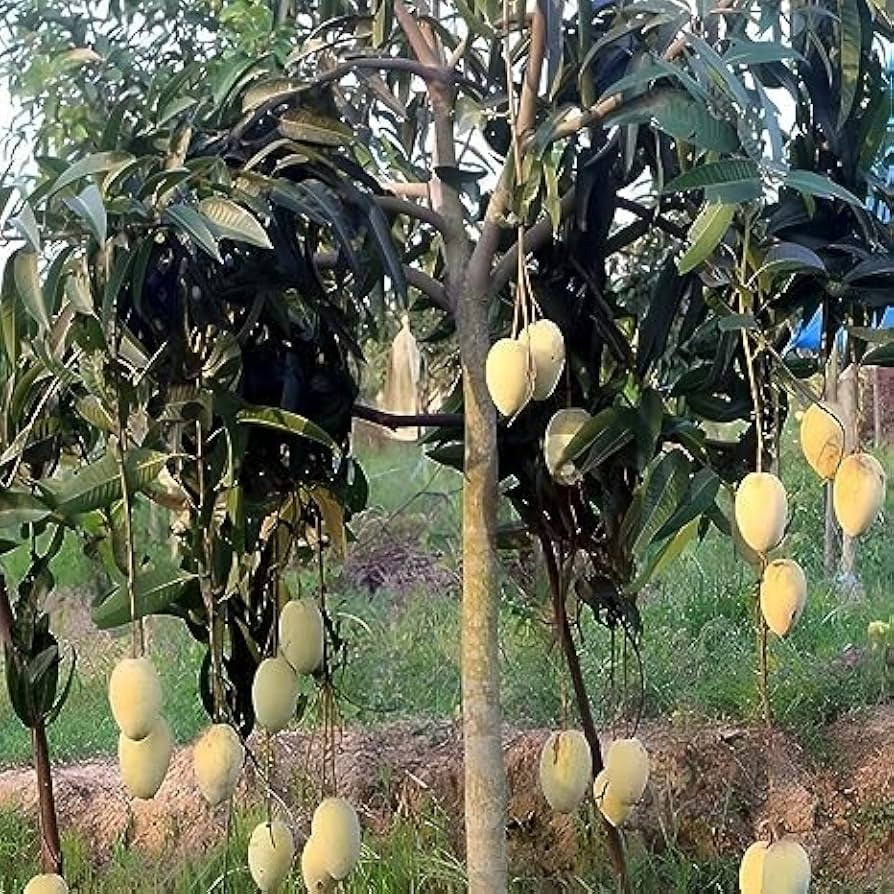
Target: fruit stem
{"x": 763, "y": 665}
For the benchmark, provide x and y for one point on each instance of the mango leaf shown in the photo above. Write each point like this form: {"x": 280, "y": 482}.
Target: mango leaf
{"x": 873, "y": 266}
{"x": 707, "y": 230}
{"x": 750, "y": 52}
{"x": 813, "y": 184}
{"x": 90, "y": 208}
{"x": 26, "y": 223}
{"x": 98, "y": 485}
{"x": 699, "y": 499}
{"x": 789, "y": 257}
{"x": 663, "y": 556}
{"x": 678, "y": 114}
{"x": 186, "y": 219}
{"x": 851, "y": 39}
{"x": 283, "y": 420}
{"x": 231, "y": 221}
{"x": 85, "y": 167}
{"x": 606, "y": 433}
{"x": 21, "y": 508}
{"x": 27, "y": 279}
{"x": 663, "y": 490}
{"x": 306, "y": 127}
{"x": 880, "y": 356}
{"x": 155, "y": 592}
{"x": 729, "y": 172}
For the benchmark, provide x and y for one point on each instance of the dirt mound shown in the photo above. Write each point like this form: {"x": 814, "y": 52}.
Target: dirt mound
{"x": 714, "y": 788}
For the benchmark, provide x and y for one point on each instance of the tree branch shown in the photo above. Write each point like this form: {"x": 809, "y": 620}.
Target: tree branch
{"x": 527, "y": 107}
{"x": 428, "y": 72}
{"x": 535, "y": 237}
{"x": 395, "y": 421}
{"x": 422, "y": 49}
{"x": 412, "y": 209}
{"x": 430, "y": 287}
{"x": 652, "y": 216}
{"x": 409, "y": 190}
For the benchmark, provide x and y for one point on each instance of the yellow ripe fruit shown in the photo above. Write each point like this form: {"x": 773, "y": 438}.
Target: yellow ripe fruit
{"x": 761, "y": 510}
{"x": 271, "y": 850}
{"x": 144, "y": 763}
{"x": 547, "y": 346}
{"x": 560, "y": 431}
{"x": 135, "y": 696}
{"x": 46, "y": 884}
{"x": 217, "y": 760}
{"x": 822, "y": 439}
{"x": 313, "y": 868}
{"x": 508, "y": 377}
{"x": 274, "y": 693}
{"x": 751, "y": 869}
{"x": 301, "y": 635}
{"x": 609, "y": 804}
{"x": 783, "y": 594}
{"x": 858, "y": 492}
{"x": 786, "y": 868}
{"x": 627, "y": 765}
{"x": 566, "y": 767}
{"x": 336, "y": 827}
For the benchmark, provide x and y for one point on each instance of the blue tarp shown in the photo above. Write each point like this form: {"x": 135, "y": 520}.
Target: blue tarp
{"x": 809, "y": 334}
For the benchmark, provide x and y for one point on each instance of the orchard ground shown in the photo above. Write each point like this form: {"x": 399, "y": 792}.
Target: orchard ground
{"x": 829, "y": 768}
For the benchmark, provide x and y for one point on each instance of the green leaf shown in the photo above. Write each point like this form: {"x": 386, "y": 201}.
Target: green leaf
{"x": 679, "y": 115}
{"x": 85, "y": 167}
{"x": 383, "y": 22}
{"x": 729, "y": 172}
{"x": 231, "y": 221}
{"x": 813, "y": 184}
{"x": 880, "y": 356}
{"x": 699, "y": 499}
{"x": 851, "y": 40}
{"x": 283, "y": 420}
{"x": 186, "y": 219}
{"x": 707, "y": 230}
{"x": 662, "y": 557}
{"x": 306, "y": 127}
{"x": 27, "y": 279}
{"x": 90, "y": 208}
{"x": 750, "y": 52}
{"x": 98, "y": 485}
{"x": 26, "y": 223}
{"x": 789, "y": 257}
{"x": 21, "y": 508}
{"x": 606, "y": 433}
{"x": 663, "y": 490}
{"x": 155, "y": 592}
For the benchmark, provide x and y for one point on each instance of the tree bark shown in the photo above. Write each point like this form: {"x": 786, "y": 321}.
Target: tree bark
{"x": 848, "y": 399}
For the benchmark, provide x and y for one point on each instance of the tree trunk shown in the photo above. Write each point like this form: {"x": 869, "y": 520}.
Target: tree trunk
{"x": 485, "y": 773}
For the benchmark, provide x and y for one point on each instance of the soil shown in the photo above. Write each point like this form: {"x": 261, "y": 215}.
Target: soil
{"x": 714, "y": 789}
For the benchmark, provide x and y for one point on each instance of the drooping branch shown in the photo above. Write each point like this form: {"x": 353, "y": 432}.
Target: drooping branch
{"x": 395, "y": 421}
{"x": 566, "y": 640}
{"x": 428, "y": 72}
